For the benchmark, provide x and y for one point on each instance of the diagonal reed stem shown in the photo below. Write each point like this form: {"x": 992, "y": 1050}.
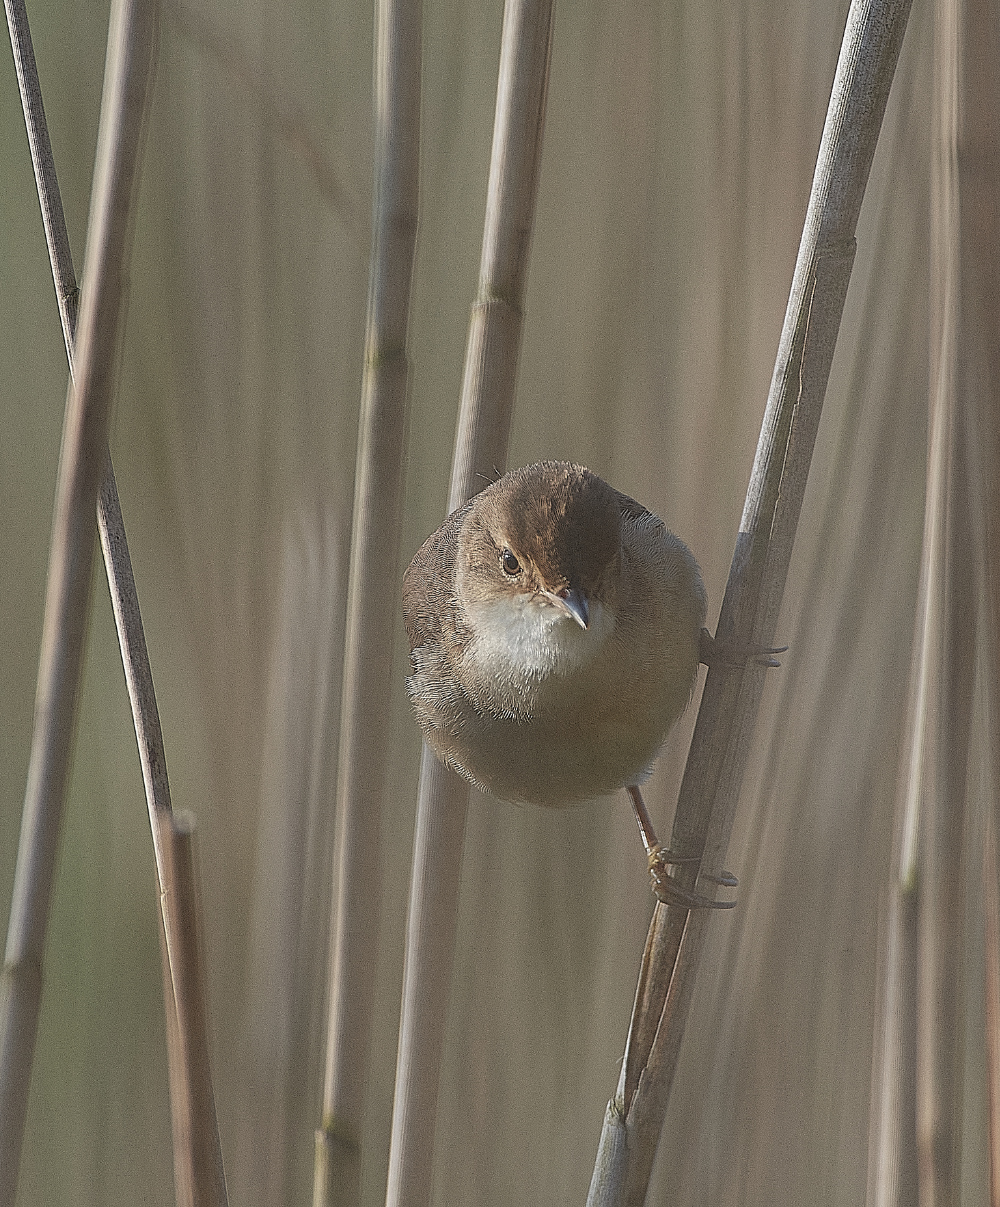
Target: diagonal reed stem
{"x": 192, "y": 1169}
{"x": 720, "y": 745}
{"x": 81, "y": 468}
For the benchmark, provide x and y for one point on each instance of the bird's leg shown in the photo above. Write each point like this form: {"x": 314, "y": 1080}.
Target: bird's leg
{"x": 665, "y": 888}
{"x": 714, "y": 653}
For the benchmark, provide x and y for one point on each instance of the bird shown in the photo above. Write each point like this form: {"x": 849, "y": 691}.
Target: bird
{"x": 555, "y": 628}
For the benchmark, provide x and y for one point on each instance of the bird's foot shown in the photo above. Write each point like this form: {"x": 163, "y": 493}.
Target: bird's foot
{"x": 714, "y": 653}
{"x": 665, "y": 887}
{"x": 669, "y": 892}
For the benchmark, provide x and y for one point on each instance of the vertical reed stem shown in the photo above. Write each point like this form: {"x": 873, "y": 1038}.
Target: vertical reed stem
{"x": 488, "y": 388}
{"x": 372, "y": 605}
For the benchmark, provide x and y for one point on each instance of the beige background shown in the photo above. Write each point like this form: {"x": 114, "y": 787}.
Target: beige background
{"x": 678, "y": 155}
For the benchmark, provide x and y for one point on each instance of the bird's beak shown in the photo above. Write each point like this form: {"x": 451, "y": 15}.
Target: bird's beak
{"x": 575, "y": 603}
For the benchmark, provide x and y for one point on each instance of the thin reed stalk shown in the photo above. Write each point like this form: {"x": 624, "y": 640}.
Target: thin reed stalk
{"x": 941, "y": 727}
{"x": 962, "y": 421}
{"x": 488, "y": 387}
{"x": 720, "y": 745}
{"x": 892, "y": 1136}
{"x": 82, "y": 465}
{"x": 372, "y": 607}
{"x": 43, "y": 164}
{"x": 979, "y": 207}
{"x": 938, "y": 778}
{"x": 135, "y": 656}
{"x": 917, "y": 1137}
{"x": 977, "y": 163}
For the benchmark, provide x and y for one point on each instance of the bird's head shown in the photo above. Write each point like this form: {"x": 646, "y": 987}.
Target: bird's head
{"x": 540, "y": 550}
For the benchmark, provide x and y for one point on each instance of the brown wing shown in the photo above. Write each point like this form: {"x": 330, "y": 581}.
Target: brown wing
{"x": 676, "y": 572}
{"x": 429, "y": 609}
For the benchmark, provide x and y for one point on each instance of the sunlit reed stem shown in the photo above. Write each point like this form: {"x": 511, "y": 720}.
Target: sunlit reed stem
{"x": 125, "y": 603}
{"x": 728, "y": 711}
{"x": 488, "y": 386}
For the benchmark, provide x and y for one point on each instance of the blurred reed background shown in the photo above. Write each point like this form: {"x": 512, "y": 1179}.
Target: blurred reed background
{"x": 679, "y": 148}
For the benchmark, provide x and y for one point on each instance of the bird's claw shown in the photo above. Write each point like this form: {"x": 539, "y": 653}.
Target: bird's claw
{"x": 726, "y": 879}
{"x": 714, "y": 653}
{"x": 669, "y": 892}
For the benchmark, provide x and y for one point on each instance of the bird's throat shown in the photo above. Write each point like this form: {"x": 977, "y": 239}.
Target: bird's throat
{"x": 527, "y": 638}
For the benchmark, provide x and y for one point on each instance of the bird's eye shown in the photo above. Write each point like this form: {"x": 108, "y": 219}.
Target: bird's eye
{"x": 510, "y": 563}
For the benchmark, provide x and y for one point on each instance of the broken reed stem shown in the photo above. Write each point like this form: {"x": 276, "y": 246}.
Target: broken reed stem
{"x": 198, "y": 1169}
{"x": 118, "y": 563}
{"x": 367, "y": 688}
{"x": 720, "y": 745}
{"x": 198, "y": 1172}
{"x": 488, "y": 386}
{"x": 81, "y": 467}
